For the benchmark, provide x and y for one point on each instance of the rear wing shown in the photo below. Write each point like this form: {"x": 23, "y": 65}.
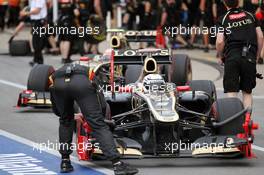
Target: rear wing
{"x": 141, "y": 36}
{"x": 161, "y": 56}
{"x": 136, "y": 36}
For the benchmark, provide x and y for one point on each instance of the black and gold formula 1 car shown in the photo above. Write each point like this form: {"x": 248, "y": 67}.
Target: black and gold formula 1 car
{"x": 157, "y": 110}
{"x": 37, "y": 94}
{"x": 158, "y": 116}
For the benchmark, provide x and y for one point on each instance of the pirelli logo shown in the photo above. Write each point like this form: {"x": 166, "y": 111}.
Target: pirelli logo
{"x": 237, "y": 16}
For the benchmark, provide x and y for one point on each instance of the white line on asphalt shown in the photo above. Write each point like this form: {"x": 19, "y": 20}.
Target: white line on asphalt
{"x": 16, "y": 85}
{"x": 258, "y": 97}
{"x": 219, "y": 89}
{"x": 24, "y": 87}
{"x": 56, "y": 153}
{"x": 255, "y": 147}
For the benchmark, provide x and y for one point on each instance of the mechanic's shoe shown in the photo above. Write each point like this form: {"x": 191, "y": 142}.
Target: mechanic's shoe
{"x": 32, "y": 63}
{"x": 189, "y": 46}
{"x": 121, "y": 168}
{"x": 260, "y": 61}
{"x": 206, "y": 49}
{"x": 66, "y": 166}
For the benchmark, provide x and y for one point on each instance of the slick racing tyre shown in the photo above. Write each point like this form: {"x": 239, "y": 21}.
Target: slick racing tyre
{"x": 39, "y": 77}
{"x": 180, "y": 71}
{"x": 226, "y": 108}
{"x": 19, "y": 48}
{"x": 205, "y": 86}
{"x": 132, "y": 73}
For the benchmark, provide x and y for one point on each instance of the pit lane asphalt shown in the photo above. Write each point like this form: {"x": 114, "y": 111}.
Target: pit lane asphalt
{"x": 41, "y": 125}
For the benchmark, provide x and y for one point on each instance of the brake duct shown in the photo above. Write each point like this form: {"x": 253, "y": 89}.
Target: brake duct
{"x": 249, "y": 127}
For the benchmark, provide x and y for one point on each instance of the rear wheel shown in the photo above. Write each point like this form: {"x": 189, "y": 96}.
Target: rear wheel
{"x": 38, "y": 78}
{"x": 180, "y": 71}
{"x": 226, "y": 108}
{"x": 132, "y": 73}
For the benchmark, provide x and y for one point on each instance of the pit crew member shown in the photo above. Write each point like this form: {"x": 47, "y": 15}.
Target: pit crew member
{"x": 38, "y": 15}
{"x": 207, "y": 14}
{"x": 71, "y": 83}
{"x": 171, "y": 17}
{"x": 67, "y": 13}
{"x": 90, "y": 10}
{"x": 240, "y": 45}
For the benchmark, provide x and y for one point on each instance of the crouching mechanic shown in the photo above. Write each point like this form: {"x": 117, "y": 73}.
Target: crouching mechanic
{"x": 240, "y": 45}
{"x": 72, "y": 83}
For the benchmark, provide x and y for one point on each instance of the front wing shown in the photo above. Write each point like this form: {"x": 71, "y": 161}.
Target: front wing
{"x": 34, "y": 99}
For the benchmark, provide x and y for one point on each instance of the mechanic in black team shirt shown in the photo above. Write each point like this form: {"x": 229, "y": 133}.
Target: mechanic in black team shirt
{"x": 240, "y": 45}
{"x": 92, "y": 14}
{"x": 150, "y": 14}
{"x": 67, "y": 13}
{"x": 72, "y": 83}
{"x": 193, "y": 10}
{"x": 171, "y": 17}
{"x": 208, "y": 16}
{"x": 221, "y": 9}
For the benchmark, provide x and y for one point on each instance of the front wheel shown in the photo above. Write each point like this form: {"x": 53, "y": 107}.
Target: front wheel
{"x": 225, "y": 108}
{"x": 204, "y": 85}
{"x": 39, "y": 77}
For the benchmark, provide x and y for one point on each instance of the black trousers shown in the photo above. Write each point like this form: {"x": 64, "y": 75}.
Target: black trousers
{"x": 81, "y": 90}
{"x": 3, "y": 9}
{"x": 13, "y": 16}
{"x": 38, "y": 41}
